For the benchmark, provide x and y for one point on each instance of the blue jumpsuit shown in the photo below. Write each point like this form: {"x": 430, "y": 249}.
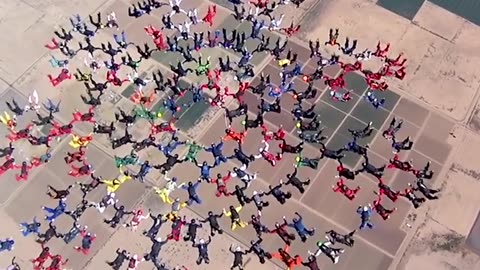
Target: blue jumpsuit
{"x": 55, "y": 212}
{"x": 145, "y": 168}
{"x": 217, "y": 153}
{"x": 7, "y": 245}
{"x": 28, "y": 228}
{"x": 365, "y": 218}
{"x": 205, "y": 171}
{"x": 191, "y": 188}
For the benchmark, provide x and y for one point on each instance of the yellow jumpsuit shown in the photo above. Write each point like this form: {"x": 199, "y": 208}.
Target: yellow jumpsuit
{"x": 124, "y": 177}
{"x": 112, "y": 185}
{"x": 8, "y": 120}
{"x": 235, "y": 218}
{"x": 164, "y": 193}
{"x": 77, "y": 143}
{"x": 284, "y": 62}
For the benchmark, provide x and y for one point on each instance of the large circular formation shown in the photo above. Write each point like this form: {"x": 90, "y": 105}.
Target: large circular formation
{"x": 122, "y": 67}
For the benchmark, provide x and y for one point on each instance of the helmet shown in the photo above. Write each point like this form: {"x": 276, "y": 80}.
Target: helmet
{"x": 365, "y": 208}
{"x": 135, "y": 257}
{"x": 159, "y": 239}
{"x": 202, "y": 241}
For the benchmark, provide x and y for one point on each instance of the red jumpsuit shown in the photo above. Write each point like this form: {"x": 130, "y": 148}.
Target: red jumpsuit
{"x": 163, "y": 127}
{"x": 236, "y": 136}
{"x": 152, "y": 31}
{"x": 349, "y": 67}
{"x": 176, "y": 229}
{"x": 113, "y": 78}
{"x": 21, "y": 134}
{"x": 7, "y": 165}
{"x": 335, "y": 83}
{"x": 212, "y": 80}
{"x": 222, "y": 185}
{"x": 386, "y": 190}
{"x": 382, "y": 211}
{"x": 75, "y": 156}
{"x": 270, "y": 157}
{"x": 212, "y": 11}
{"x": 58, "y": 130}
{"x": 84, "y": 117}
{"x": 86, "y": 169}
{"x": 381, "y": 52}
{"x": 64, "y": 75}
{"x": 374, "y": 76}
{"x": 157, "y": 36}
{"x": 281, "y": 231}
{"x": 291, "y": 30}
{"x": 345, "y": 190}
{"x": 159, "y": 42}
{"x": 52, "y": 46}
{"x": 400, "y": 73}
{"x": 136, "y": 219}
{"x": 398, "y": 164}
{"x": 42, "y": 258}
{"x": 287, "y": 259}
{"x": 24, "y": 169}
{"x": 396, "y": 62}
{"x": 375, "y": 85}
{"x": 139, "y": 98}
{"x": 56, "y": 263}
{"x": 260, "y": 4}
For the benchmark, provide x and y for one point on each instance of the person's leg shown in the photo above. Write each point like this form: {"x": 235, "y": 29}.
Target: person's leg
{"x": 303, "y": 237}
{"x": 25, "y": 232}
{"x": 408, "y": 146}
{"x": 49, "y": 210}
{"x": 300, "y": 187}
{"x": 197, "y": 199}
{"x": 199, "y": 259}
